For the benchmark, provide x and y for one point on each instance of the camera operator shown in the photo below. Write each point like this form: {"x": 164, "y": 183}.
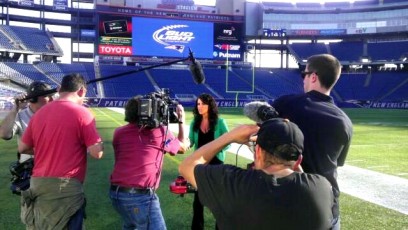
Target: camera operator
{"x": 61, "y": 132}
{"x": 15, "y": 123}
{"x": 17, "y": 119}
{"x": 273, "y": 195}
{"x": 139, "y": 152}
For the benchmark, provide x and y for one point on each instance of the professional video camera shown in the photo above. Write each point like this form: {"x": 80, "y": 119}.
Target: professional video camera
{"x": 157, "y": 108}
{"x": 21, "y": 174}
{"x": 180, "y": 186}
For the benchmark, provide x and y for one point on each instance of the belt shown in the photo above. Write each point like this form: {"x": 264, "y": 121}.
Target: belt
{"x": 130, "y": 189}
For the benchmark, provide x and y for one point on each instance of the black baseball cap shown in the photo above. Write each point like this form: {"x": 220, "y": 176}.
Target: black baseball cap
{"x": 279, "y": 131}
{"x": 37, "y": 88}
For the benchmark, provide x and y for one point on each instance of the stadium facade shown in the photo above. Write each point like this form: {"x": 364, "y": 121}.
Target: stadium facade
{"x": 229, "y": 37}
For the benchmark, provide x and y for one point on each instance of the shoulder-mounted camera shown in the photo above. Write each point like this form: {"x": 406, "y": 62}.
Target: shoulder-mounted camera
{"x": 157, "y": 108}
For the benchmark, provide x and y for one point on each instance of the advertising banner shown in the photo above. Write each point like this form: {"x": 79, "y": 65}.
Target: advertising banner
{"x": 60, "y": 4}
{"x": 389, "y": 105}
{"x": 370, "y": 30}
{"x": 325, "y": 32}
{"x": 227, "y": 41}
{"x": 171, "y": 38}
{"x": 26, "y": 2}
{"x": 161, "y": 38}
{"x": 88, "y": 33}
{"x": 115, "y": 35}
{"x": 121, "y": 102}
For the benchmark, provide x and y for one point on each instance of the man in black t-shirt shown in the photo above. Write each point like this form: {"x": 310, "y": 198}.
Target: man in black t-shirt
{"x": 326, "y": 128}
{"x": 273, "y": 195}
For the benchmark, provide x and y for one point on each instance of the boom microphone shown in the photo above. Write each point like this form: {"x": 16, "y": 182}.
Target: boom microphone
{"x": 260, "y": 111}
{"x": 196, "y": 69}
{"x": 43, "y": 93}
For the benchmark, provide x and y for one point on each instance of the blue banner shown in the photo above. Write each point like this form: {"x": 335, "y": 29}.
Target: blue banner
{"x": 389, "y": 105}
{"x": 60, "y": 4}
{"x": 166, "y": 13}
{"x": 225, "y": 103}
{"x": 88, "y": 33}
{"x": 26, "y": 2}
{"x": 121, "y": 102}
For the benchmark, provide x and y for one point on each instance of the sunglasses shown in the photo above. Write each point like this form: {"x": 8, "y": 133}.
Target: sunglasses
{"x": 303, "y": 74}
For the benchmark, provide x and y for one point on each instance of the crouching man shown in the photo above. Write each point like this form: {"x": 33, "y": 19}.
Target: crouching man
{"x": 273, "y": 195}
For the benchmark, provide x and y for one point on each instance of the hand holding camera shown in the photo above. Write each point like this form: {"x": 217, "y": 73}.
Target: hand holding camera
{"x": 19, "y": 102}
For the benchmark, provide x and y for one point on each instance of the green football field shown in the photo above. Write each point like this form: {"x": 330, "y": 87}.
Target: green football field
{"x": 380, "y": 143}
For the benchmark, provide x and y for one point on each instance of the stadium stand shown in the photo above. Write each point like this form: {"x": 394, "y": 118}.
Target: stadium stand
{"x": 29, "y": 71}
{"x": 302, "y": 51}
{"x": 125, "y": 86}
{"x": 367, "y": 81}
{"x": 347, "y": 51}
{"x": 6, "y": 43}
{"x": 178, "y": 80}
{"x": 387, "y": 51}
{"x": 38, "y": 41}
{"x": 385, "y": 86}
{"x": 14, "y": 75}
{"x": 52, "y": 70}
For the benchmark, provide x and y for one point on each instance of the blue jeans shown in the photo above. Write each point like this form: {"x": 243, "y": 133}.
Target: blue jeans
{"x": 138, "y": 211}
{"x": 336, "y": 223}
{"x": 77, "y": 220}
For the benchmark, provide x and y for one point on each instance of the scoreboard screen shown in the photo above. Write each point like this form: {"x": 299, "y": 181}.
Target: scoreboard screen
{"x": 157, "y": 37}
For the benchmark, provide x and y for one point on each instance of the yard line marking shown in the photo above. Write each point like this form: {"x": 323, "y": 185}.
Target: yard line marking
{"x": 378, "y": 166}
{"x": 110, "y": 117}
{"x": 355, "y": 160}
{"x": 378, "y": 188}
{"x": 402, "y": 174}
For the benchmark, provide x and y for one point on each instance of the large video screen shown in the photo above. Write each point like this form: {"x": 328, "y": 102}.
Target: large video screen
{"x": 153, "y": 37}
{"x": 115, "y": 35}
{"x": 227, "y": 41}
{"x": 172, "y": 38}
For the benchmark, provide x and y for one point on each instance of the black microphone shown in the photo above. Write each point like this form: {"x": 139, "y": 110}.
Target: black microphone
{"x": 196, "y": 69}
{"x": 260, "y": 111}
{"x": 43, "y": 93}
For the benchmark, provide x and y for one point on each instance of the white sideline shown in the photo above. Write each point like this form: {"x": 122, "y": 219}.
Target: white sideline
{"x": 378, "y": 188}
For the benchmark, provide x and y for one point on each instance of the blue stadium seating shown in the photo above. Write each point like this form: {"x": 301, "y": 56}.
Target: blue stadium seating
{"x": 305, "y": 50}
{"x": 384, "y": 86}
{"x": 6, "y": 43}
{"x": 387, "y": 51}
{"x": 275, "y": 82}
{"x": 51, "y": 70}
{"x": 347, "y": 51}
{"x": 269, "y": 83}
{"x": 37, "y": 41}
{"x": 177, "y": 80}
{"x": 125, "y": 86}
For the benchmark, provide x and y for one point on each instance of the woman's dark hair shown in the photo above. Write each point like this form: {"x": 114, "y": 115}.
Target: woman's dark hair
{"x": 131, "y": 109}
{"x": 212, "y": 111}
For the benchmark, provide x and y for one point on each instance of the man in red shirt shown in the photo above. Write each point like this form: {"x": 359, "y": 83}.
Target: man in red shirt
{"x": 139, "y": 152}
{"x": 62, "y": 133}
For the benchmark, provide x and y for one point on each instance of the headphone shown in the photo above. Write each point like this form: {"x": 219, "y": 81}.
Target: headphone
{"x": 36, "y": 87}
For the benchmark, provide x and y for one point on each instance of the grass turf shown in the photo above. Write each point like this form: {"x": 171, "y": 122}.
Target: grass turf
{"x": 379, "y": 143}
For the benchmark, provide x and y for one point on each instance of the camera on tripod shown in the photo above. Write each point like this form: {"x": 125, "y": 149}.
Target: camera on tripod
{"x": 157, "y": 108}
